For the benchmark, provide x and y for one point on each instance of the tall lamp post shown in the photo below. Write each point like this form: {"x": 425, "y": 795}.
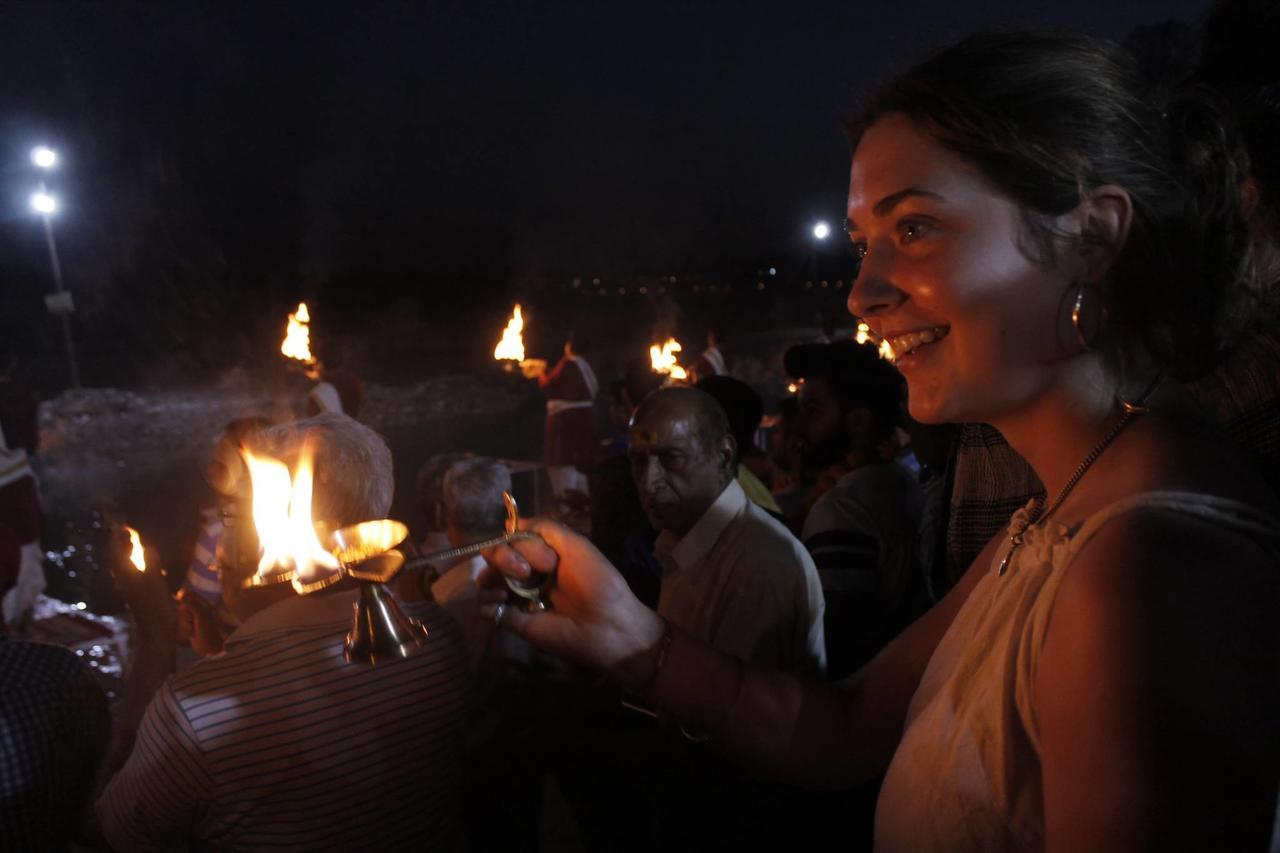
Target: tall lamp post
{"x": 59, "y": 302}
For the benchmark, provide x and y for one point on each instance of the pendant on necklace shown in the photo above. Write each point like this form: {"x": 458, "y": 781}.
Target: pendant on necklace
{"x": 1014, "y": 541}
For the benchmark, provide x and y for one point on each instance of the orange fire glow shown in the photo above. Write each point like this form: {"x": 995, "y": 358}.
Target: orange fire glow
{"x": 865, "y": 335}
{"x": 136, "y": 556}
{"x": 663, "y": 360}
{"x": 297, "y": 336}
{"x": 282, "y": 516}
{"x": 511, "y": 347}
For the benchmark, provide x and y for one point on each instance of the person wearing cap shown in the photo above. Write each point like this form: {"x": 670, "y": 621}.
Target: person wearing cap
{"x": 863, "y": 527}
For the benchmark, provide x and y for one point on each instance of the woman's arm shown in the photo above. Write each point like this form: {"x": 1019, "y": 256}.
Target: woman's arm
{"x": 807, "y": 733}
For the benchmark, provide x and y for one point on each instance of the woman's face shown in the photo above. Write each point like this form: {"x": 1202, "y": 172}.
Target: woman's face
{"x": 975, "y": 323}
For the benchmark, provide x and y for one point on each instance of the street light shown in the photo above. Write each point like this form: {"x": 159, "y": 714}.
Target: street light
{"x": 44, "y": 204}
{"x": 44, "y": 157}
{"x": 822, "y": 230}
{"x": 59, "y": 302}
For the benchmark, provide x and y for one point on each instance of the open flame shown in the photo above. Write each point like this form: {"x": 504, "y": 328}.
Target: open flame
{"x": 282, "y": 516}
{"x": 511, "y": 347}
{"x": 663, "y": 360}
{"x": 865, "y": 335}
{"x": 136, "y": 556}
{"x": 297, "y": 336}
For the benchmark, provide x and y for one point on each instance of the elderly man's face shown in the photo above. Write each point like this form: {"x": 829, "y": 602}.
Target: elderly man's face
{"x": 678, "y": 473}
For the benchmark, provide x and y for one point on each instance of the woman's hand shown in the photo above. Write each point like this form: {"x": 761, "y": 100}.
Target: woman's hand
{"x": 594, "y": 619}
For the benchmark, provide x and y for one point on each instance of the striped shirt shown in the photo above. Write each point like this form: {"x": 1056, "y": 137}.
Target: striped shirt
{"x": 863, "y": 535}
{"x": 278, "y": 743}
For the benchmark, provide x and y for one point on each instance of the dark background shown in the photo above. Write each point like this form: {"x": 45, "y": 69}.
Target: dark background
{"x": 419, "y": 166}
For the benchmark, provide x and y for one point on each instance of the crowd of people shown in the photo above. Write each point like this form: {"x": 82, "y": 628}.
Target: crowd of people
{"x": 1014, "y": 588}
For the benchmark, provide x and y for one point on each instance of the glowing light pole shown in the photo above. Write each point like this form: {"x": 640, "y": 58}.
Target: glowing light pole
{"x": 59, "y": 302}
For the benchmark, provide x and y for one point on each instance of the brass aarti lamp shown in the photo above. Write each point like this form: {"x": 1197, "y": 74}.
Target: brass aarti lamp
{"x": 380, "y": 629}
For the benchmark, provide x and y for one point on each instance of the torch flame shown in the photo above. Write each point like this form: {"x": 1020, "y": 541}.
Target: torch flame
{"x": 864, "y": 335}
{"x": 511, "y": 347}
{"x": 282, "y": 517}
{"x": 297, "y": 336}
{"x": 663, "y": 360}
{"x": 136, "y": 556}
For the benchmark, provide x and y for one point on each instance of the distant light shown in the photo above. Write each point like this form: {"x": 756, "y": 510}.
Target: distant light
{"x": 822, "y": 230}
{"x": 43, "y": 157}
{"x": 43, "y": 203}
{"x": 773, "y": 270}
{"x": 792, "y": 387}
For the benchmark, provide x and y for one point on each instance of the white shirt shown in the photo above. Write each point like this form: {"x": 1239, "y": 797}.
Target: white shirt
{"x": 740, "y": 581}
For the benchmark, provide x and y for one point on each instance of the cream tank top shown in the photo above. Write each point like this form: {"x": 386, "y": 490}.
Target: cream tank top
{"x": 966, "y": 775}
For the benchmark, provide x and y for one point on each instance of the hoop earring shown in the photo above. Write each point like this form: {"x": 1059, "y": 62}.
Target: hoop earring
{"x": 1078, "y": 321}
{"x": 1139, "y": 406}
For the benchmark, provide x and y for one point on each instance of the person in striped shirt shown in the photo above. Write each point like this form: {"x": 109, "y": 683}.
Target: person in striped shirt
{"x": 278, "y": 742}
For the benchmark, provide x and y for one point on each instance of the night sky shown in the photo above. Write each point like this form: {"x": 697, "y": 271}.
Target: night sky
{"x": 444, "y": 151}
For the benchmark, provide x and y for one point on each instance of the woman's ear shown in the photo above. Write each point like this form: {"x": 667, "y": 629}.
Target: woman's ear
{"x": 1103, "y": 220}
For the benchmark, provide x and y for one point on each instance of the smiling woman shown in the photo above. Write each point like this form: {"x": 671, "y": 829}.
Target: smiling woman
{"x": 1047, "y": 245}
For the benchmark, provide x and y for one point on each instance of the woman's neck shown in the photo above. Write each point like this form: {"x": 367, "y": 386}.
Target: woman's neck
{"x": 1058, "y": 430}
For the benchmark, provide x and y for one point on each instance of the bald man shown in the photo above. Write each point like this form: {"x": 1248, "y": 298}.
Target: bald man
{"x": 732, "y": 575}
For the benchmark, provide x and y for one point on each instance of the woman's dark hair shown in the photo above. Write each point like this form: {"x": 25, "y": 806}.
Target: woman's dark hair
{"x": 1047, "y": 116}
{"x": 1238, "y": 60}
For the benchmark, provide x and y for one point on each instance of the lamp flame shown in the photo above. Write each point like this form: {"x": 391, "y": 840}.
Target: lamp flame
{"x": 282, "y": 516}
{"x": 511, "y": 347}
{"x": 663, "y": 360}
{"x": 136, "y": 556}
{"x": 297, "y": 336}
{"x": 864, "y": 335}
